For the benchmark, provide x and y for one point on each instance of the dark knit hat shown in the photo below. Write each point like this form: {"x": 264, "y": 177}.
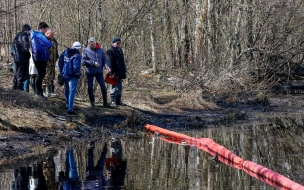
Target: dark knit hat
{"x": 42, "y": 25}
{"x": 115, "y": 39}
{"x": 26, "y": 27}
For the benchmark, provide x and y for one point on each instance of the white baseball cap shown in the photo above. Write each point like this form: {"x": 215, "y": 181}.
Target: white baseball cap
{"x": 76, "y": 45}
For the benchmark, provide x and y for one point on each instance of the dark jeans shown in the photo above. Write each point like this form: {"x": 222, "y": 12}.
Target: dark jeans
{"x": 41, "y": 68}
{"x": 21, "y": 74}
{"x": 100, "y": 80}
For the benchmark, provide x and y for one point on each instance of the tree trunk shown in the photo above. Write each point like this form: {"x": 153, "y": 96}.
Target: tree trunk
{"x": 210, "y": 29}
{"x": 186, "y": 35}
{"x": 168, "y": 35}
{"x": 235, "y": 46}
{"x": 153, "y": 41}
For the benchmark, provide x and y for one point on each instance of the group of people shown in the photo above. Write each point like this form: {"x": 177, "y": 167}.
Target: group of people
{"x": 35, "y": 54}
{"x": 41, "y": 46}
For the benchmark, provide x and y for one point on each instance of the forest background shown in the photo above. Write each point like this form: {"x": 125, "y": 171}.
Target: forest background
{"x": 231, "y": 46}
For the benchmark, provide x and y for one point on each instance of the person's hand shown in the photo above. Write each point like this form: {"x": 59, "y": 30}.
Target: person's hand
{"x": 108, "y": 69}
{"x": 96, "y": 64}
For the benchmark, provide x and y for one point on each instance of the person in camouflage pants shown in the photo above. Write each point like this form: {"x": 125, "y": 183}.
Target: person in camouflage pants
{"x": 48, "y": 81}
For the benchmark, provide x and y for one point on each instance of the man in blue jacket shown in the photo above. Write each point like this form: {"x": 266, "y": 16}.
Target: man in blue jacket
{"x": 94, "y": 59}
{"x": 40, "y": 53}
{"x": 69, "y": 66}
{"x": 20, "y": 50}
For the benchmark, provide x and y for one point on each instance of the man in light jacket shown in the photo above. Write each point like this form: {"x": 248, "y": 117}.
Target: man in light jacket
{"x": 95, "y": 60}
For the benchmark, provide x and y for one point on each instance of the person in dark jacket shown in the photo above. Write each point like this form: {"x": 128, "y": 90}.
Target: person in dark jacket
{"x": 69, "y": 66}
{"x": 20, "y": 49}
{"x": 94, "y": 59}
{"x": 41, "y": 55}
{"x": 115, "y": 59}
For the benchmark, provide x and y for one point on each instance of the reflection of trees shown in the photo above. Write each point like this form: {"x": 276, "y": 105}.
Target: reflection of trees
{"x": 276, "y": 145}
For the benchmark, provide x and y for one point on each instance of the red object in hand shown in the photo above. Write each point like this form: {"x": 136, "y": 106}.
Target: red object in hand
{"x": 113, "y": 81}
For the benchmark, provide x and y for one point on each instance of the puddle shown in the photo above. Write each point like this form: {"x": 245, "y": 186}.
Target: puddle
{"x": 150, "y": 163}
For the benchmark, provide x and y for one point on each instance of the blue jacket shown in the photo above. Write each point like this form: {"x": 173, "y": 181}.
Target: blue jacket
{"x": 40, "y": 46}
{"x": 89, "y": 57}
{"x": 70, "y": 64}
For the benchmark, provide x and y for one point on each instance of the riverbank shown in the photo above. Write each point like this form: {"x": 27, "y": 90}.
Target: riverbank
{"x": 30, "y": 126}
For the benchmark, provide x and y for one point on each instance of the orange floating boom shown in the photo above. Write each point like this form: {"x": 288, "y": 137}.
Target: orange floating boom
{"x": 226, "y": 156}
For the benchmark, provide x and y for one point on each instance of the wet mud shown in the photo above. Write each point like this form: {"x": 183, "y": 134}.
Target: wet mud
{"x": 129, "y": 122}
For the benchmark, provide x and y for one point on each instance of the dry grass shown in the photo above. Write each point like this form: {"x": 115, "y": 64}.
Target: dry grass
{"x": 20, "y": 111}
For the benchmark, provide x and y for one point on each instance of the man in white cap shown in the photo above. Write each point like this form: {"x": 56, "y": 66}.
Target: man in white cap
{"x": 69, "y": 66}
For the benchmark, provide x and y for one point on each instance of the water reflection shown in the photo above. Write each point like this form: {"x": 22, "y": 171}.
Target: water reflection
{"x": 43, "y": 176}
{"x": 156, "y": 164}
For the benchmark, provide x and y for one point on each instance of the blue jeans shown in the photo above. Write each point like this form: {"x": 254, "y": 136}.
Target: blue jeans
{"x": 117, "y": 89}
{"x": 26, "y": 84}
{"x": 70, "y": 92}
{"x": 70, "y": 165}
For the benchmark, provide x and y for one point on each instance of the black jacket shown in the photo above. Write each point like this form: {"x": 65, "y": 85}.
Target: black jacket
{"x": 21, "y": 46}
{"x": 116, "y": 62}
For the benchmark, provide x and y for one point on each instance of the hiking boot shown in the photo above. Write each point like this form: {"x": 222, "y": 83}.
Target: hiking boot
{"x": 105, "y": 104}
{"x": 92, "y": 104}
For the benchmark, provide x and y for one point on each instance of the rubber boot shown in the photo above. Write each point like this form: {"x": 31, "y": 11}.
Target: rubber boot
{"x": 51, "y": 91}
{"x": 32, "y": 83}
{"x": 92, "y": 100}
{"x": 46, "y": 91}
{"x": 118, "y": 100}
{"x": 104, "y": 97}
{"x": 14, "y": 87}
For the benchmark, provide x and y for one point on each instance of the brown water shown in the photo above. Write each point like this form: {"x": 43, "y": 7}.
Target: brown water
{"x": 154, "y": 164}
